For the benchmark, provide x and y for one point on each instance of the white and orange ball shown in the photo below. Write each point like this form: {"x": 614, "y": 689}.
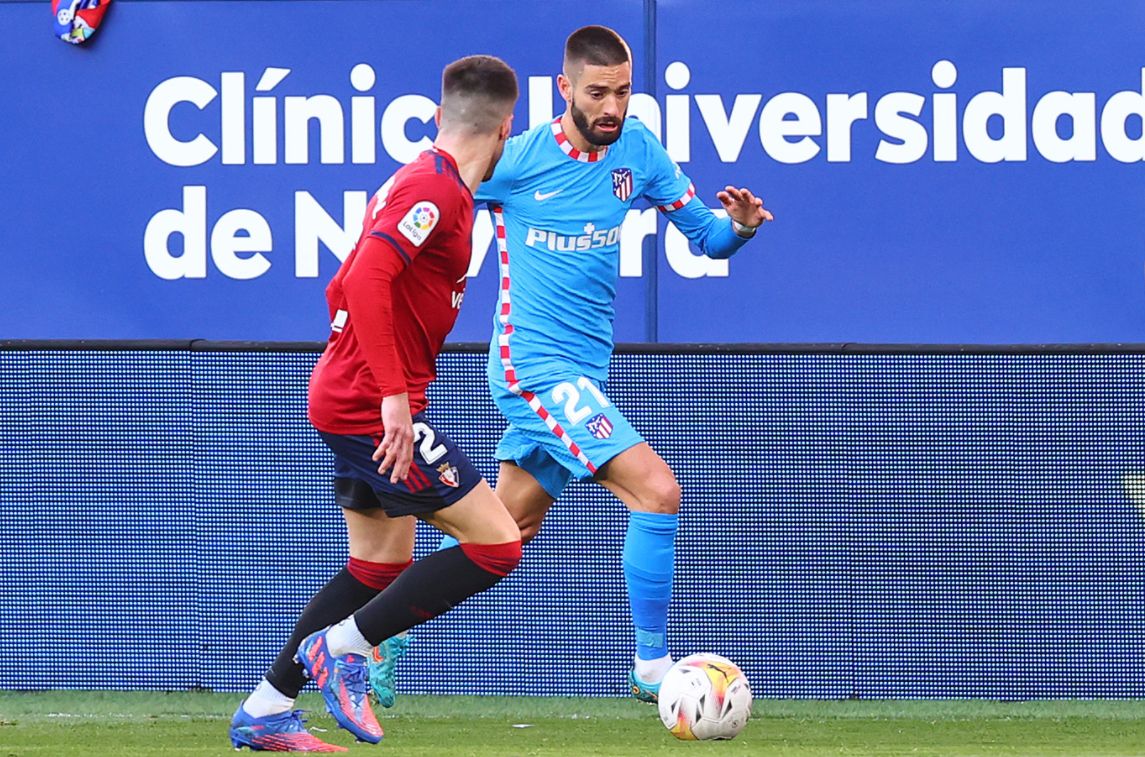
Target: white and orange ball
{"x": 705, "y": 696}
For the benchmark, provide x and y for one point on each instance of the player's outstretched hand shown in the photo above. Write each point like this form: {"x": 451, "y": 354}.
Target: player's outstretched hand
{"x": 396, "y": 449}
{"x": 744, "y": 207}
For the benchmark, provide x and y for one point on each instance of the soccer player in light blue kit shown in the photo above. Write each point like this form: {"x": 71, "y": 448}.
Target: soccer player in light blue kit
{"x": 558, "y": 197}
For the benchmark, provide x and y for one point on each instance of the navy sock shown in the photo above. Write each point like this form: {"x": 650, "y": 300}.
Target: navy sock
{"x": 433, "y": 585}
{"x": 341, "y": 596}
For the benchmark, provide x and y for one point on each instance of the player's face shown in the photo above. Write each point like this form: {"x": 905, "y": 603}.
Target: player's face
{"x": 598, "y": 101}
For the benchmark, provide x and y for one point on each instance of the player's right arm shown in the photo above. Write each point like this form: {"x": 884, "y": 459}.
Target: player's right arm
{"x": 391, "y": 243}
{"x": 396, "y": 450}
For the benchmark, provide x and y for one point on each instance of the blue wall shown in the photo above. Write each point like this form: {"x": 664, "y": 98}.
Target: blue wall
{"x": 983, "y": 215}
{"x": 854, "y": 525}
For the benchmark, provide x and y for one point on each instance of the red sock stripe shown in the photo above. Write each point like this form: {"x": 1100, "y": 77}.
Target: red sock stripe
{"x": 498, "y": 559}
{"x": 376, "y": 575}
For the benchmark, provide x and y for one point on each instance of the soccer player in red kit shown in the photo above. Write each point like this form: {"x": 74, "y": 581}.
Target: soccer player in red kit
{"x": 392, "y": 303}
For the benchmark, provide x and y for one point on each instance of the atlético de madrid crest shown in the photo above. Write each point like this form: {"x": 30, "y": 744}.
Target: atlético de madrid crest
{"x": 599, "y": 426}
{"x": 622, "y": 183}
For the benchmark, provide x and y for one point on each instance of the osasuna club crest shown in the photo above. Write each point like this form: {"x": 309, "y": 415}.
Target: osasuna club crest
{"x": 448, "y": 475}
{"x": 622, "y": 183}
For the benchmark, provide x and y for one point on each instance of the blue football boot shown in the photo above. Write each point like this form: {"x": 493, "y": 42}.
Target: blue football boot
{"x": 284, "y": 732}
{"x": 383, "y": 658}
{"x": 342, "y": 681}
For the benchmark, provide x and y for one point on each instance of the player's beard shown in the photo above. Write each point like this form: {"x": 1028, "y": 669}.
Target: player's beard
{"x": 593, "y": 137}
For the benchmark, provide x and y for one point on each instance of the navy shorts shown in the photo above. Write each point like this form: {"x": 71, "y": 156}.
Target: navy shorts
{"x": 440, "y": 475}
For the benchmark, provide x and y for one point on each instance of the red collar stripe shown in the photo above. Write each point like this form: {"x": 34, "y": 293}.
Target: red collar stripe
{"x": 572, "y": 152}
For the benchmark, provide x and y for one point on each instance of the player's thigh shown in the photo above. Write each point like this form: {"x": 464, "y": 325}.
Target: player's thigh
{"x": 376, "y": 537}
{"x": 527, "y": 448}
{"x": 477, "y": 518}
{"x": 527, "y": 501}
{"x": 641, "y": 480}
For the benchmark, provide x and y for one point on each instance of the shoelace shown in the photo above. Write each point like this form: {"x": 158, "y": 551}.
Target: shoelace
{"x": 354, "y": 674}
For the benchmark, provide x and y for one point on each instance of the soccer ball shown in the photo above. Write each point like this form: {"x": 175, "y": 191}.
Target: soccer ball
{"x": 704, "y": 696}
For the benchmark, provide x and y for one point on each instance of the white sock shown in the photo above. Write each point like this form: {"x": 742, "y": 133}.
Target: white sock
{"x": 345, "y": 638}
{"x": 652, "y": 671}
{"x": 267, "y": 700}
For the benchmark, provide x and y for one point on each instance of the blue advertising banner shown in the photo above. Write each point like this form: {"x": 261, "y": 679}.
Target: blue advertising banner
{"x": 958, "y": 172}
{"x": 864, "y": 526}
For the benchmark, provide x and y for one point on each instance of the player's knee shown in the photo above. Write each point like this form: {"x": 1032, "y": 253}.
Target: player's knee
{"x": 497, "y": 559}
{"x": 663, "y": 495}
{"x": 505, "y": 531}
{"x": 513, "y": 558}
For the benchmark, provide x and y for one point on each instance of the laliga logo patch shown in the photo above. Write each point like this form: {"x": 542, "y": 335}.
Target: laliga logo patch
{"x": 449, "y": 475}
{"x": 77, "y": 20}
{"x": 599, "y": 426}
{"x": 419, "y": 221}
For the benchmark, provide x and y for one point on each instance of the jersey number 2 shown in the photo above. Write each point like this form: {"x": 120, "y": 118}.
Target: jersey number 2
{"x": 424, "y": 437}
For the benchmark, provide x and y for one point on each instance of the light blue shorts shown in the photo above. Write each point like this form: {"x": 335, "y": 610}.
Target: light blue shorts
{"x": 561, "y": 427}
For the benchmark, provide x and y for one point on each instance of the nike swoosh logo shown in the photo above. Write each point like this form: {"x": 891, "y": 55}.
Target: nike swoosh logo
{"x": 541, "y": 197}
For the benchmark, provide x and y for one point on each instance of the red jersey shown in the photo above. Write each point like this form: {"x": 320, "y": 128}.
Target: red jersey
{"x": 395, "y": 298}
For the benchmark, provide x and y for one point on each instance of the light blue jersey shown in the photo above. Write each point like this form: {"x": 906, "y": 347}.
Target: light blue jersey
{"x": 560, "y": 214}
{"x": 557, "y": 214}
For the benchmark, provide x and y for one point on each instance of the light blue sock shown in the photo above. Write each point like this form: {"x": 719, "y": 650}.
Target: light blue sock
{"x": 649, "y": 557}
{"x": 447, "y": 541}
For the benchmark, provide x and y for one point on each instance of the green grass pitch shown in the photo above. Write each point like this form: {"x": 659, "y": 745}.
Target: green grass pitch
{"x": 126, "y": 724}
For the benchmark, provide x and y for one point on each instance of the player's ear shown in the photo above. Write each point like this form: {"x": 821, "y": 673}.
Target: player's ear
{"x": 437, "y": 117}
{"x": 506, "y": 127}
{"x": 565, "y": 85}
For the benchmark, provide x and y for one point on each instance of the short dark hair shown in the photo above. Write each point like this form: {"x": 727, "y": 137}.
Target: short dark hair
{"x": 477, "y": 92}
{"x": 596, "y": 46}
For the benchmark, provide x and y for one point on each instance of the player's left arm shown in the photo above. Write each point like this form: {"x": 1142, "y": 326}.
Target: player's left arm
{"x": 720, "y": 237}
{"x": 744, "y": 209}
{"x": 673, "y": 194}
